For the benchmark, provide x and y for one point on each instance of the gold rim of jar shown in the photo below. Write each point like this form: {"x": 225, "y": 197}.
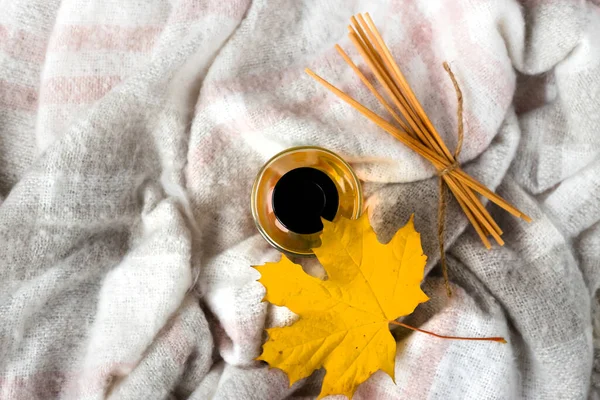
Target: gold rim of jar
{"x": 256, "y": 187}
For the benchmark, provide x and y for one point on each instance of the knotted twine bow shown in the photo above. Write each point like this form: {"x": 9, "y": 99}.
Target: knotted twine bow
{"x": 416, "y": 131}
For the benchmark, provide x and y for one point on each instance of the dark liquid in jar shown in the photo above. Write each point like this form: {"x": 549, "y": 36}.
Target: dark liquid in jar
{"x": 302, "y": 197}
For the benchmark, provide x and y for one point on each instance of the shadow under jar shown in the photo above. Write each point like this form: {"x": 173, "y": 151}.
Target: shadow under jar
{"x": 298, "y": 187}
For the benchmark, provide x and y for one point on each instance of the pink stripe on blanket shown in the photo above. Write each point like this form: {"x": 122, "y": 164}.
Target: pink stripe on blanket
{"x": 22, "y": 45}
{"x": 189, "y": 10}
{"x": 104, "y": 37}
{"x": 18, "y": 97}
{"x": 76, "y": 90}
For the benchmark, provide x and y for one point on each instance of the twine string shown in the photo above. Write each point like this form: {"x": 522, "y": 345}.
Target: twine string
{"x": 442, "y": 202}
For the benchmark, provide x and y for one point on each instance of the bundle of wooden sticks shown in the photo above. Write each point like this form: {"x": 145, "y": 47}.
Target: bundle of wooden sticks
{"x": 415, "y": 130}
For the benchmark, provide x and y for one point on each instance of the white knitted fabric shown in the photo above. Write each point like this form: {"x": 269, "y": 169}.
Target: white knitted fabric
{"x": 131, "y": 133}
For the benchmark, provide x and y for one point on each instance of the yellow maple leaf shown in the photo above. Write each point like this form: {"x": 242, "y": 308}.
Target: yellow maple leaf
{"x": 344, "y": 321}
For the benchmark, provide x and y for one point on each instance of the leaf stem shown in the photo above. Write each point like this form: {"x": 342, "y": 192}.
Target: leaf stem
{"x": 492, "y": 339}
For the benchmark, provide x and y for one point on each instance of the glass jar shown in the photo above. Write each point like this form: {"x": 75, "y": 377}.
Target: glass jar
{"x": 298, "y": 187}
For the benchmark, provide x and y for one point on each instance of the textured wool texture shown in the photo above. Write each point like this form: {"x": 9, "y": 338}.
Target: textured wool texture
{"x": 131, "y": 133}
